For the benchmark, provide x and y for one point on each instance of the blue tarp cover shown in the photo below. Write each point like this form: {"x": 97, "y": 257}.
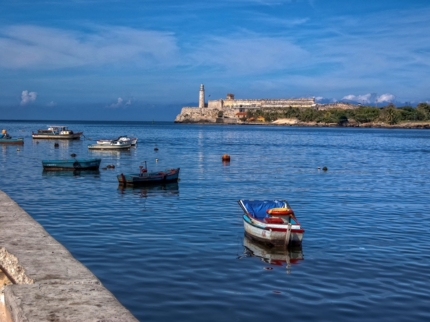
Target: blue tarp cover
{"x": 257, "y": 208}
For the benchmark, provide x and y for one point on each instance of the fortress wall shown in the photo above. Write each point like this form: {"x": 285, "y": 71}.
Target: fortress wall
{"x": 218, "y": 104}
{"x": 269, "y": 103}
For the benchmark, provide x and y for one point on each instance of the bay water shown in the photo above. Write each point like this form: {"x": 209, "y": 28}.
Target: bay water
{"x": 178, "y": 252}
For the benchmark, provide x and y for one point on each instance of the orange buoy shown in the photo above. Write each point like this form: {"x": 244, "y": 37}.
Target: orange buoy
{"x": 225, "y": 157}
{"x": 280, "y": 212}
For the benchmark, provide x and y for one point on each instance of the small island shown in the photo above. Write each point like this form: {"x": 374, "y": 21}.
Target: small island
{"x": 303, "y": 112}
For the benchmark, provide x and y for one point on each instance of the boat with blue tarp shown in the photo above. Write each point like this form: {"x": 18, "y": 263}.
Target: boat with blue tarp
{"x": 272, "y": 222}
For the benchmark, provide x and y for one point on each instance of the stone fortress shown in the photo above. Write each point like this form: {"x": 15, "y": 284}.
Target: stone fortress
{"x": 231, "y": 110}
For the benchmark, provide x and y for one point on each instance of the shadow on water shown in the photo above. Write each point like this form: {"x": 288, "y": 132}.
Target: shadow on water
{"x": 277, "y": 256}
{"x": 74, "y": 173}
{"x": 169, "y": 189}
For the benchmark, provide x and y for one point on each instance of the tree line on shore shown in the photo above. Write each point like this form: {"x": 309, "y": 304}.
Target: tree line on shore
{"x": 389, "y": 114}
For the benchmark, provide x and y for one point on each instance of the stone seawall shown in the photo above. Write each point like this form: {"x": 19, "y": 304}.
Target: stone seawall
{"x": 48, "y": 283}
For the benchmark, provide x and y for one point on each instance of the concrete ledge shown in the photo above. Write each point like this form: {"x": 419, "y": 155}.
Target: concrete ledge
{"x": 49, "y": 283}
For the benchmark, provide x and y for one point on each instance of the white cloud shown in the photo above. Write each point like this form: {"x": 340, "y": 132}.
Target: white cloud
{"x": 52, "y": 103}
{"x": 120, "y": 103}
{"x": 117, "y": 104}
{"x": 370, "y": 98}
{"x": 386, "y": 98}
{"x": 28, "y": 97}
{"x": 48, "y": 48}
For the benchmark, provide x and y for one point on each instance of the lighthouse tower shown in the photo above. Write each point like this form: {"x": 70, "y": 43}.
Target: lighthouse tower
{"x": 202, "y": 96}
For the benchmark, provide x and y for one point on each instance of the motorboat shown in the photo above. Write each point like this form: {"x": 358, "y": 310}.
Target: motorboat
{"x": 125, "y": 138}
{"x": 272, "y": 222}
{"x": 112, "y": 145}
{"x": 143, "y": 177}
{"x": 57, "y": 132}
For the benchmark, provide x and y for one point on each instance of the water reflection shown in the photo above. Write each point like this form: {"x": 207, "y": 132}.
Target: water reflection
{"x": 278, "y": 256}
{"x": 74, "y": 173}
{"x": 167, "y": 190}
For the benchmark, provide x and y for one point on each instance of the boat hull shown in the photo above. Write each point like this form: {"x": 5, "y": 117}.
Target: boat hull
{"x": 274, "y": 235}
{"x": 18, "y": 141}
{"x": 47, "y": 136}
{"x": 151, "y": 178}
{"x": 71, "y": 164}
{"x": 109, "y": 147}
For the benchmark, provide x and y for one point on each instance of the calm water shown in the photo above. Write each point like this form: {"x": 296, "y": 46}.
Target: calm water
{"x": 176, "y": 253}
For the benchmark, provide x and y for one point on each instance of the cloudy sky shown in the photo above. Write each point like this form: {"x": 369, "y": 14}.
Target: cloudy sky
{"x": 145, "y": 59}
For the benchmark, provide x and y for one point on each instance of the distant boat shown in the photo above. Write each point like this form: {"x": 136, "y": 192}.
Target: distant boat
{"x": 17, "y": 141}
{"x": 5, "y": 138}
{"x": 272, "y": 222}
{"x": 57, "y": 132}
{"x": 125, "y": 138}
{"x": 149, "y": 178}
{"x": 71, "y": 164}
{"x": 112, "y": 145}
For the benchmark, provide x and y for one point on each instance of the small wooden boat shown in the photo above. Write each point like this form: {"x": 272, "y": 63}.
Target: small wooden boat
{"x": 272, "y": 222}
{"x": 71, "y": 164}
{"x": 57, "y": 132}
{"x": 149, "y": 178}
{"x": 125, "y": 138}
{"x": 112, "y": 145}
{"x": 5, "y": 138}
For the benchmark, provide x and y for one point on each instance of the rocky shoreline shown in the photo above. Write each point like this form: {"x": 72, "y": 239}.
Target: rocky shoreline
{"x": 295, "y": 122}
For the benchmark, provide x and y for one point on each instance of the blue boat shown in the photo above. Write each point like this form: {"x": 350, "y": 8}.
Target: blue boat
{"x": 5, "y": 138}
{"x": 71, "y": 164}
{"x": 149, "y": 178}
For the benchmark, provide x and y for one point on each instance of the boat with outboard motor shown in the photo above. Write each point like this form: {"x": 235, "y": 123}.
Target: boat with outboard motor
{"x": 149, "y": 178}
{"x": 57, "y": 132}
{"x": 272, "y": 222}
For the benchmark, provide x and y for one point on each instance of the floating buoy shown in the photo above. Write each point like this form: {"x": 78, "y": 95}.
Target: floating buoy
{"x": 56, "y": 145}
{"x": 225, "y": 157}
{"x": 156, "y": 160}
{"x": 325, "y": 169}
{"x": 155, "y": 149}
{"x": 17, "y": 149}
{"x": 73, "y": 155}
{"x": 110, "y": 166}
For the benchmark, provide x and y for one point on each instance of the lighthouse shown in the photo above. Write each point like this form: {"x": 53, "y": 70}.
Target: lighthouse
{"x": 202, "y": 96}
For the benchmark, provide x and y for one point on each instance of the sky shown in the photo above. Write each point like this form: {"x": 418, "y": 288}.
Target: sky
{"x": 144, "y": 60}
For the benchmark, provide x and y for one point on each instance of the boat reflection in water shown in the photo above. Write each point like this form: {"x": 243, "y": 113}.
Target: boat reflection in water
{"x": 74, "y": 173}
{"x": 167, "y": 190}
{"x": 277, "y": 256}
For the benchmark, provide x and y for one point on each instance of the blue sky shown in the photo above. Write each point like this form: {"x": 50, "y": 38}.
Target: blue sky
{"x": 144, "y": 60}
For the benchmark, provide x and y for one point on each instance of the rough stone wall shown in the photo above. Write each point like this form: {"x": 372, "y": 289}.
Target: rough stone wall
{"x": 197, "y": 115}
{"x": 218, "y": 104}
